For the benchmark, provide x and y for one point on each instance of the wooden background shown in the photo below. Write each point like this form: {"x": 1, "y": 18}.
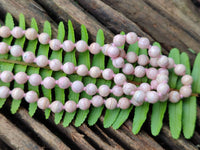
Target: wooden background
{"x": 173, "y": 23}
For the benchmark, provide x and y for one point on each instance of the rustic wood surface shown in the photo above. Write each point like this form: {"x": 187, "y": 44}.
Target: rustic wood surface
{"x": 172, "y": 23}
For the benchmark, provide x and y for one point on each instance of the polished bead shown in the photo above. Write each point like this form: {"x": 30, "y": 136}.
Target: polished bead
{"x": 143, "y": 43}
{"x": 91, "y": 89}
{"x": 17, "y": 93}
{"x": 153, "y": 62}
{"x": 140, "y": 71}
{"x": 4, "y": 48}
{"x": 35, "y": 79}
{"x": 97, "y": 101}
{"x": 81, "y": 46}
{"x": 68, "y": 46}
{"x": 44, "y": 38}
{"x": 185, "y": 91}
{"x": 113, "y": 51}
{"x": 21, "y": 78}
{"x": 152, "y": 97}
{"x": 119, "y": 40}
{"x": 154, "y": 84}
{"x": 163, "y": 88}
{"x": 95, "y": 72}
{"x": 16, "y": 50}
{"x": 128, "y": 69}
{"x": 143, "y": 60}
{"x": 118, "y": 62}
{"x": 6, "y": 76}
{"x": 163, "y": 71}
{"x": 124, "y": 103}
{"x": 131, "y": 57}
{"x": 94, "y": 48}
{"x": 154, "y": 52}
{"x": 151, "y": 73}
{"x": 105, "y": 49}
{"x": 104, "y": 90}
{"x": 77, "y": 86}
{"x": 187, "y": 80}
{"x": 31, "y": 34}
{"x": 63, "y": 82}
{"x": 31, "y": 97}
{"x": 131, "y": 38}
{"x": 49, "y": 82}
{"x": 163, "y": 61}
{"x": 174, "y": 96}
{"x": 122, "y": 53}
{"x": 69, "y": 68}
{"x": 164, "y": 98}
{"x": 42, "y": 61}
{"x": 128, "y": 88}
{"x": 162, "y": 78}
{"x": 120, "y": 79}
{"x": 70, "y": 106}
{"x": 4, "y": 32}
{"x": 43, "y": 103}
{"x": 55, "y": 65}
{"x": 117, "y": 90}
{"x": 56, "y": 106}
{"x": 4, "y": 92}
{"x": 138, "y": 98}
{"x": 171, "y": 63}
{"x": 144, "y": 87}
{"x": 180, "y": 69}
{"x": 17, "y": 32}
{"x": 107, "y": 74}
{"x": 28, "y": 57}
{"x": 84, "y": 104}
{"x": 111, "y": 103}
{"x": 55, "y": 44}
{"x": 82, "y": 70}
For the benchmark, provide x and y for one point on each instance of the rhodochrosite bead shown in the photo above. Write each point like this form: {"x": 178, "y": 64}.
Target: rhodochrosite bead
{"x": 35, "y": 79}
{"x": 131, "y": 57}
{"x": 21, "y": 77}
{"x": 95, "y": 72}
{"x": 31, "y": 34}
{"x": 77, "y": 86}
{"x": 111, "y": 103}
{"x": 128, "y": 69}
{"x": 107, "y": 74}
{"x": 68, "y": 46}
{"x": 82, "y": 70}
{"x": 17, "y": 32}
{"x": 113, "y": 52}
{"x": 4, "y": 31}
{"x": 70, "y": 106}
{"x": 186, "y": 80}
{"x": 124, "y": 103}
{"x": 42, "y": 61}
{"x": 4, "y": 92}
{"x": 185, "y": 91}
{"x": 94, "y": 48}
{"x": 180, "y": 69}
{"x": 117, "y": 90}
{"x": 152, "y": 97}
{"x": 69, "y": 68}
{"x": 105, "y": 49}
{"x": 17, "y": 93}
{"x": 120, "y": 79}
{"x": 153, "y": 62}
{"x": 63, "y": 82}
{"x": 16, "y": 50}
{"x": 154, "y": 52}
{"x": 43, "y": 103}
{"x": 55, "y": 64}
{"x": 97, "y": 101}
{"x": 145, "y": 87}
{"x": 163, "y": 88}
{"x": 143, "y": 43}
{"x": 163, "y": 71}
{"x": 91, "y": 89}
{"x": 84, "y": 104}
{"x": 171, "y": 63}
{"x": 31, "y": 97}
{"x": 28, "y": 57}
{"x": 128, "y": 88}
{"x": 174, "y": 96}
{"x": 55, "y": 44}
{"x": 56, "y": 106}
{"x": 138, "y": 98}
{"x": 81, "y": 46}
{"x": 44, "y": 38}
{"x": 140, "y": 71}
{"x": 104, "y": 90}
{"x": 131, "y": 38}
{"x": 6, "y": 76}
{"x": 143, "y": 60}
{"x": 119, "y": 40}
{"x": 49, "y": 82}
{"x": 3, "y": 48}
{"x": 163, "y": 61}
{"x": 151, "y": 73}
{"x": 118, "y": 62}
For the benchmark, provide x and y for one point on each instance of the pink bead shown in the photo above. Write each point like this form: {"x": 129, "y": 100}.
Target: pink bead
{"x": 68, "y": 46}
{"x": 77, "y": 86}
{"x": 154, "y": 52}
{"x": 187, "y": 80}
{"x": 163, "y": 88}
{"x": 113, "y": 52}
{"x": 82, "y": 70}
{"x": 63, "y": 82}
{"x": 138, "y": 98}
{"x": 84, "y": 104}
{"x": 55, "y": 44}
{"x": 163, "y": 98}
{"x": 111, "y": 103}
{"x": 43, "y": 103}
{"x": 35, "y": 79}
{"x": 128, "y": 69}
{"x": 97, "y": 101}
{"x": 119, "y": 40}
{"x": 69, "y": 68}
{"x": 152, "y": 97}
{"x": 107, "y": 74}
{"x": 151, "y": 73}
{"x": 163, "y": 61}
{"x": 122, "y": 53}
{"x": 4, "y": 48}
{"x": 163, "y": 71}
{"x": 145, "y": 87}
{"x": 128, "y": 88}
{"x": 81, "y": 46}
{"x": 56, "y": 106}
{"x": 95, "y": 72}
{"x": 104, "y": 90}
{"x": 124, "y": 103}
{"x": 4, "y": 92}
{"x": 4, "y": 32}
{"x": 21, "y": 78}
{"x": 31, "y": 34}
{"x": 143, "y": 60}
{"x": 17, "y": 93}
{"x": 131, "y": 38}
{"x": 49, "y": 82}
{"x": 94, "y": 48}
{"x": 16, "y": 50}
{"x": 17, "y": 32}
{"x": 154, "y": 84}
{"x": 28, "y": 57}
{"x": 174, "y": 96}
{"x": 70, "y": 106}
{"x": 180, "y": 69}
{"x": 153, "y": 62}
{"x": 140, "y": 71}
{"x": 120, "y": 79}
{"x": 31, "y": 97}
{"x": 91, "y": 89}
{"x": 185, "y": 91}
{"x": 105, "y": 49}
{"x": 55, "y": 64}
{"x": 143, "y": 43}
{"x": 44, "y": 38}
{"x": 162, "y": 78}
{"x": 42, "y": 61}
{"x": 118, "y": 62}
{"x": 131, "y": 57}
{"x": 171, "y": 63}
{"x": 117, "y": 90}
{"x": 6, "y": 76}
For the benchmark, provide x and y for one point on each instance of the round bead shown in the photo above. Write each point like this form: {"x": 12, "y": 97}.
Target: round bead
{"x": 17, "y": 32}
{"x": 154, "y": 52}
{"x": 143, "y": 43}
{"x": 154, "y": 84}
{"x": 91, "y": 89}
{"x": 42, "y": 61}
{"x": 43, "y": 103}
{"x": 44, "y": 38}
{"x": 31, "y": 97}
{"x": 107, "y": 74}
{"x": 113, "y": 51}
{"x": 68, "y": 46}
{"x": 117, "y": 90}
{"x": 124, "y": 103}
{"x": 163, "y": 98}
{"x": 55, "y": 44}
{"x": 131, "y": 38}
{"x": 143, "y": 60}
{"x": 49, "y": 82}
{"x": 63, "y": 82}
{"x": 6, "y": 76}
{"x": 4, "y": 91}
{"x": 122, "y": 53}
{"x": 185, "y": 91}
{"x": 138, "y": 98}
{"x": 145, "y": 87}
{"x": 97, "y": 101}
{"x": 17, "y": 93}
{"x": 163, "y": 88}
{"x": 105, "y": 49}
{"x": 118, "y": 62}
{"x": 28, "y": 57}
{"x": 94, "y": 48}
{"x": 171, "y": 63}
{"x": 21, "y": 77}
{"x": 84, "y": 104}
{"x": 95, "y": 72}
{"x": 174, "y": 96}
{"x": 4, "y": 48}
{"x": 162, "y": 78}
{"x": 187, "y": 80}
{"x": 77, "y": 86}
{"x": 35, "y": 79}
{"x": 16, "y": 50}
{"x": 120, "y": 79}
{"x": 152, "y": 97}
{"x": 55, "y": 64}
{"x": 153, "y": 62}
{"x": 70, "y": 106}
{"x": 128, "y": 69}
{"x": 69, "y": 68}
{"x": 104, "y": 90}
{"x": 81, "y": 46}
{"x": 128, "y": 88}
{"x": 111, "y": 103}
{"x": 4, "y": 32}
{"x": 180, "y": 69}
{"x": 140, "y": 71}
{"x": 82, "y": 70}
{"x": 163, "y": 71}
{"x": 163, "y": 61}
{"x": 151, "y": 73}
{"x": 119, "y": 40}
{"x": 31, "y": 34}
{"x": 56, "y": 106}
{"x": 131, "y": 57}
